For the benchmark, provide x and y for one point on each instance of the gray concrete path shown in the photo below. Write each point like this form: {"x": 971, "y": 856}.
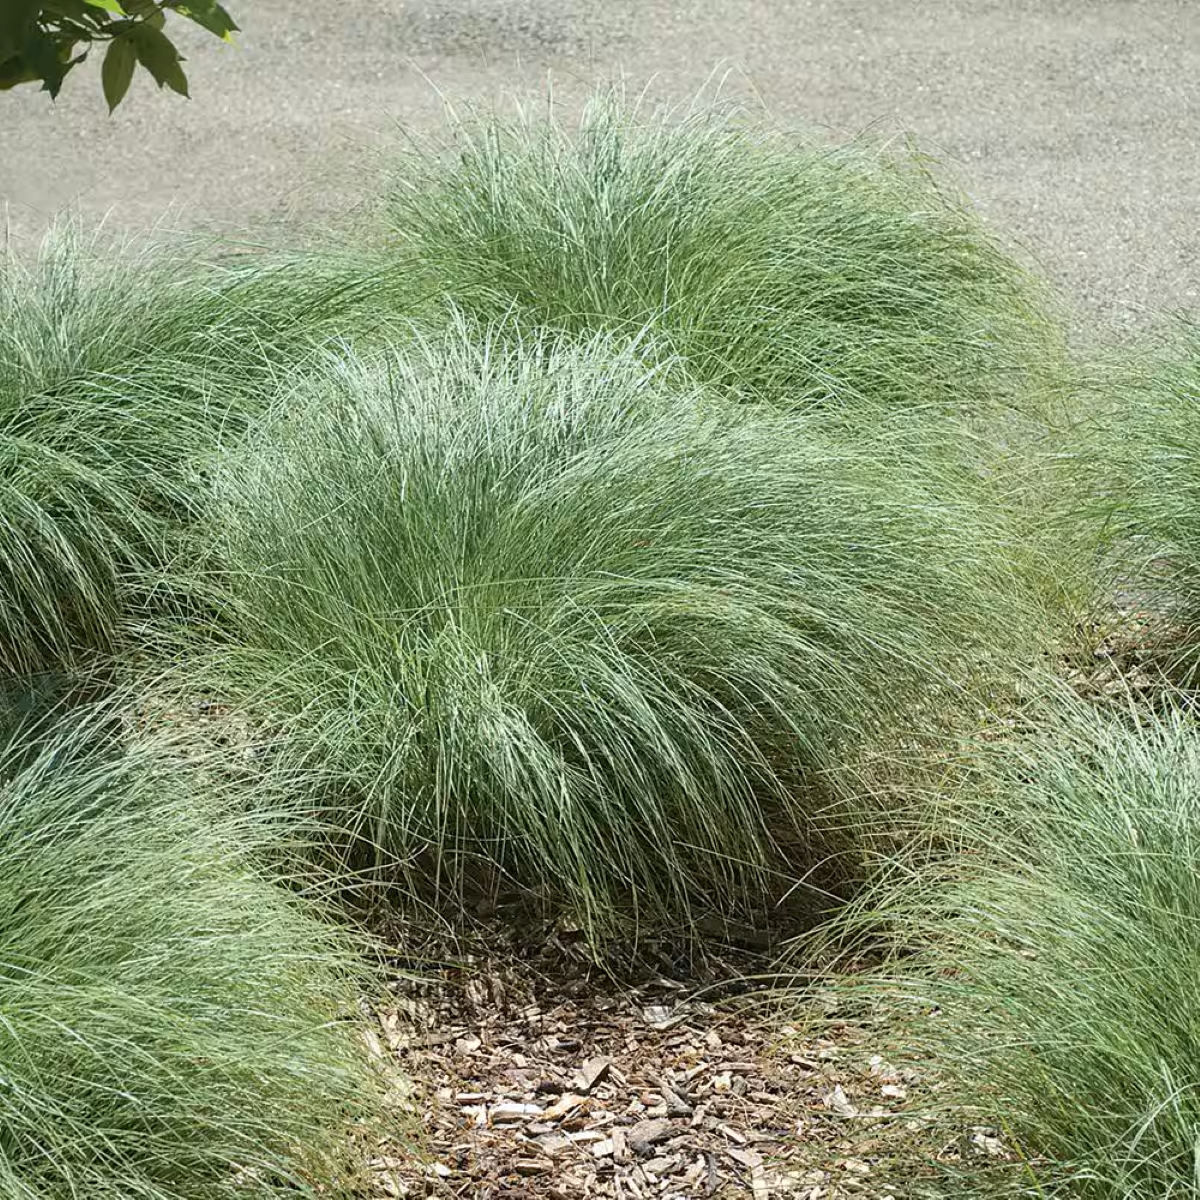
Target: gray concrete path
{"x": 1074, "y": 123}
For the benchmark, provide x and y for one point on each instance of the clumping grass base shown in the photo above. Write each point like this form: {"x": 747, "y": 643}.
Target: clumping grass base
{"x": 1057, "y": 947}
{"x": 539, "y": 608}
{"x": 172, "y": 1025}
{"x": 778, "y": 267}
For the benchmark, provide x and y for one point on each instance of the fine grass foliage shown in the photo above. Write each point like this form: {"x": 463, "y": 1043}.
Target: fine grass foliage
{"x": 773, "y": 265}
{"x": 121, "y": 366}
{"x": 172, "y": 1024}
{"x": 1042, "y": 968}
{"x": 1137, "y": 480}
{"x": 537, "y": 606}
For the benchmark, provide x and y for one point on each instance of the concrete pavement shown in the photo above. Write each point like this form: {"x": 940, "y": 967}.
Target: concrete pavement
{"x": 1073, "y": 123}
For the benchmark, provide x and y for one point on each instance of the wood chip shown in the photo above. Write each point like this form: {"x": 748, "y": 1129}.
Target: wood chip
{"x": 563, "y": 1106}
{"x": 664, "y": 1164}
{"x": 515, "y": 1112}
{"x": 748, "y": 1158}
{"x": 646, "y": 1134}
{"x": 620, "y": 1146}
{"x": 374, "y": 1045}
{"x": 759, "y": 1187}
{"x": 591, "y": 1073}
{"x": 676, "y": 1103}
{"x": 838, "y": 1102}
{"x": 712, "y": 1179}
{"x": 533, "y": 1166}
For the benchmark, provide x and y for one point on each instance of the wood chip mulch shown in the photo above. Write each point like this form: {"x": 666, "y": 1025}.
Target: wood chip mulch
{"x": 553, "y": 1085}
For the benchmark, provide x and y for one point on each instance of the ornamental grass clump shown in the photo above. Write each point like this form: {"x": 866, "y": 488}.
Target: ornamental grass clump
{"x": 121, "y": 366}
{"x": 1043, "y": 969}
{"x": 541, "y": 610}
{"x": 777, "y": 267}
{"x": 173, "y": 1025}
{"x": 1138, "y": 473}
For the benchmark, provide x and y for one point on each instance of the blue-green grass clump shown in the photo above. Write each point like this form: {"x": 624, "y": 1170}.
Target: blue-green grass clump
{"x": 1043, "y": 969}
{"x": 173, "y": 1024}
{"x": 544, "y": 608}
{"x": 122, "y": 366}
{"x": 775, "y": 266}
{"x": 1137, "y": 480}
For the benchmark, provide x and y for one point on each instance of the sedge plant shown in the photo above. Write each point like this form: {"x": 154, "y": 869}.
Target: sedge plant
{"x": 1040, "y": 968}
{"x": 121, "y": 366}
{"x": 1136, "y": 463}
{"x": 174, "y": 1025}
{"x": 539, "y": 607}
{"x": 772, "y": 265}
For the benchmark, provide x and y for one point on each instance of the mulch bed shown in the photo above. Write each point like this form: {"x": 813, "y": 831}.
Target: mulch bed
{"x": 546, "y": 1078}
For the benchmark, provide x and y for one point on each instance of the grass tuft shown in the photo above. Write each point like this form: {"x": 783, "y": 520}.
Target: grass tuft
{"x": 172, "y": 1024}
{"x": 776, "y": 267}
{"x": 1044, "y": 968}
{"x": 1138, "y": 486}
{"x": 537, "y": 607}
{"x": 121, "y": 367}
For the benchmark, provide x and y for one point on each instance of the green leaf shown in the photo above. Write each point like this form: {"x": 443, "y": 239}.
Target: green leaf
{"x": 44, "y": 55}
{"x": 146, "y": 10}
{"x": 210, "y": 15}
{"x": 15, "y": 70}
{"x": 108, "y": 5}
{"x": 41, "y": 59}
{"x": 156, "y": 52}
{"x": 116, "y": 74}
{"x": 16, "y": 24}
{"x": 71, "y": 10}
